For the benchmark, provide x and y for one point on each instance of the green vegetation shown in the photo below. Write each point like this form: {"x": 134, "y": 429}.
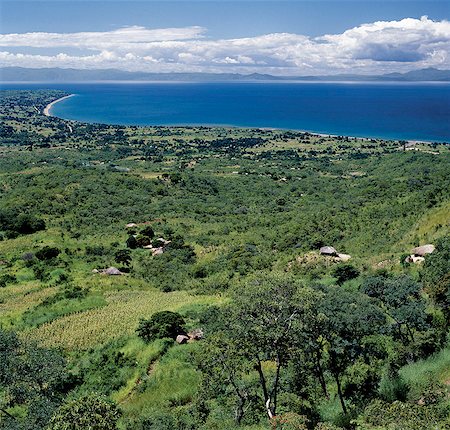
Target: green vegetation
{"x": 161, "y": 325}
{"x": 114, "y": 240}
{"x": 86, "y": 412}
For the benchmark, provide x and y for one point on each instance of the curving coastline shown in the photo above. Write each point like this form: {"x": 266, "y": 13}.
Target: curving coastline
{"x": 47, "y": 108}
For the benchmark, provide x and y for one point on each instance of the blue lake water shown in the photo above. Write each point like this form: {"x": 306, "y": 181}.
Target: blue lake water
{"x": 416, "y": 111}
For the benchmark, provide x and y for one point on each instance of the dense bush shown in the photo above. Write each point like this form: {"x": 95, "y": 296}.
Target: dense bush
{"x": 7, "y": 279}
{"x": 33, "y": 380}
{"x": 47, "y": 253}
{"x": 161, "y": 325}
{"x": 15, "y": 223}
{"x": 345, "y": 272}
{"x": 87, "y": 412}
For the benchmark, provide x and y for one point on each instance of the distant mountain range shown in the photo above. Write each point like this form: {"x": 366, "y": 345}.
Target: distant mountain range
{"x": 21, "y": 74}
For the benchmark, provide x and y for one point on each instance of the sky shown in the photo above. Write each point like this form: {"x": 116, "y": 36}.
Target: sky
{"x": 280, "y": 37}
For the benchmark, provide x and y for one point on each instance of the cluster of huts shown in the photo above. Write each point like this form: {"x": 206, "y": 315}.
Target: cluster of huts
{"x": 417, "y": 254}
{"x": 158, "y": 246}
{"x": 159, "y": 249}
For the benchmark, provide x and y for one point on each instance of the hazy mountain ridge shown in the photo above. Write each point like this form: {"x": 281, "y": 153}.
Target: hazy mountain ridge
{"x": 21, "y": 74}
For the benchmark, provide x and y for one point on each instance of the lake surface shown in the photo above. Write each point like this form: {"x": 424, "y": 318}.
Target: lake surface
{"x": 414, "y": 111}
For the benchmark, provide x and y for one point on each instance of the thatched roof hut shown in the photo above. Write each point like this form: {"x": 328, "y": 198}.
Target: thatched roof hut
{"x": 328, "y": 250}
{"x": 112, "y": 271}
{"x": 423, "y": 250}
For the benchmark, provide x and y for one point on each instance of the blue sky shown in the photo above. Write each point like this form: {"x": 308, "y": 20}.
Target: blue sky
{"x": 222, "y": 18}
{"x": 281, "y": 37}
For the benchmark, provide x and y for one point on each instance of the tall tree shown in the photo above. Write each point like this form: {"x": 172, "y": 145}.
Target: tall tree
{"x": 268, "y": 320}
{"x": 350, "y": 317}
{"x": 225, "y": 371}
{"x": 401, "y": 299}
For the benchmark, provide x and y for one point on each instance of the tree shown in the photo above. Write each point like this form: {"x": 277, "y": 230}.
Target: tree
{"x": 436, "y": 275}
{"x": 401, "y": 299}
{"x": 123, "y": 256}
{"x": 160, "y": 325}
{"x": 148, "y": 232}
{"x": 224, "y": 371}
{"x": 47, "y": 253}
{"x": 31, "y": 378}
{"x": 268, "y": 321}
{"x": 87, "y": 412}
{"x": 132, "y": 242}
{"x": 345, "y": 272}
{"x": 142, "y": 241}
{"x": 350, "y": 318}
{"x": 27, "y": 224}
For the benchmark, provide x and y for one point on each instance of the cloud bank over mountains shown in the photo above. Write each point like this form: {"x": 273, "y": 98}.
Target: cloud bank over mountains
{"x": 379, "y": 47}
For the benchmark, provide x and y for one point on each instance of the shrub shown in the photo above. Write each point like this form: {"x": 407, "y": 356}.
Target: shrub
{"x": 87, "y": 412}
{"x": 148, "y": 232}
{"x": 41, "y": 272}
{"x": 131, "y": 242}
{"x": 345, "y": 272}
{"x": 160, "y": 325}
{"x": 123, "y": 256}
{"x": 28, "y": 256}
{"x": 289, "y": 421}
{"x": 68, "y": 292}
{"x": 27, "y": 224}
{"x": 7, "y": 279}
{"x": 142, "y": 241}
{"x": 95, "y": 250}
{"x": 15, "y": 223}
{"x": 47, "y": 253}
{"x": 403, "y": 415}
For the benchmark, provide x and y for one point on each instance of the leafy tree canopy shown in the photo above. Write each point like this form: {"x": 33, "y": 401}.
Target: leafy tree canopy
{"x": 87, "y": 412}
{"x": 160, "y": 325}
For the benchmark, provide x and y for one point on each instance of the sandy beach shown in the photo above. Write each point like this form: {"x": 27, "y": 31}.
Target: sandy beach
{"x": 47, "y": 108}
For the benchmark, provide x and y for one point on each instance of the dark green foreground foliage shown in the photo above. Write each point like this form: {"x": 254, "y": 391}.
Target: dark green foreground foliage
{"x": 218, "y": 229}
{"x": 161, "y": 325}
{"x": 87, "y": 412}
{"x": 32, "y": 379}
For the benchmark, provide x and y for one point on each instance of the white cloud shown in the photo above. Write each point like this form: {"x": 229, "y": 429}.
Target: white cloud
{"x": 128, "y": 36}
{"x": 377, "y": 47}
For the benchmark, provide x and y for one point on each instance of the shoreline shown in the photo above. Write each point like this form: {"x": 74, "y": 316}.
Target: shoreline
{"x": 47, "y": 108}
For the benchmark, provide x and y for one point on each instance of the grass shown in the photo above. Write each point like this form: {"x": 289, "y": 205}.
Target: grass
{"x": 144, "y": 356}
{"x": 435, "y": 368}
{"x": 173, "y": 381}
